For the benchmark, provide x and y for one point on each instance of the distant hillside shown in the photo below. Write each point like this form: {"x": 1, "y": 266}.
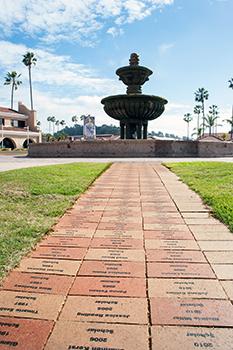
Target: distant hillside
{"x": 78, "y": 130}
{"x": 109, "y": 129}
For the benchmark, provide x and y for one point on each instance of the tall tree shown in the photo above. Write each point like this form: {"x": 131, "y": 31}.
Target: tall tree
{"x": 57, "y": 123}
{"x": 197, "y": 132}
{"x": 213, "y": 111}
{"x": 230, "y": 122}
{"x": 49, "y": 120}
{"x": 230, "y": 83}
{"x": 62, "y": 123}
{"x": 210, "y": 122}
{"x": 197, "y": 110}
{"x": 200, "y": 96}
{"x": 29, "y": 60}
{"x": 75, "y": 119}
{"x": 12, "y": 78}
{"x": 187, "y": 118}
{"x": 53, "y": 121}
{"x": 231, "y": 87}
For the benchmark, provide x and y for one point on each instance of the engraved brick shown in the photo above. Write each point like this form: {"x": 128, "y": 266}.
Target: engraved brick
{"x": 21, "y": 334}
{"x": 50, "y": 266}
{"x": 59, "y": 253}
{"x": 191, "y": 338}
{"x": 30, "y": 305}
{"x": 188, "y": 256}
{"x": 185, "y": 288}
{"x": 38, "y": 283}
{"x": 179, "y": 270}
{"x": 195, "y": 312}
{"x": 109, "y": 286}
{"x": 101, "y": 309}
{"x": 78, "y": 335}
{"x": 113, "y": 268}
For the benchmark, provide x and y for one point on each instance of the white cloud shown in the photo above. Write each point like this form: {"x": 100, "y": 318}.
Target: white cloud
{"x": 164, "y": 48}
{"x": 114, "y": 31}
{"x": 73, "y": 20}
{"x": 55, "y": 70}
{"x": 55, "y": 77}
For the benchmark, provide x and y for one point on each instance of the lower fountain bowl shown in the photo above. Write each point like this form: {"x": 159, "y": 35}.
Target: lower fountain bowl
{"x": 134, "y": 107}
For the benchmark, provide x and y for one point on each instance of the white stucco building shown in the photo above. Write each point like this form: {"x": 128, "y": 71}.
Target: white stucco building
{"x": 18, "y": 128}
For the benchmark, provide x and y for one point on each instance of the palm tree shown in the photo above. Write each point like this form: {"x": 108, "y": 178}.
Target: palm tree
{"x": 231, "y": 123}
{"x": 53, "y": 120}
{"x": 213, "y": 111}
{"x": 29, "y": 59}
{"x": 188, "y": 118}
{"x": 49, "y": 120}
{"x": 197, "y": 110}
{"x": 210, "y": 122}
{"x": 57, "y": 123}
{"x": 62, "y": 123}
{"x": 200, "y": 96}
{"x": 230, "y": 83}
{"x": 74, "y": 119}
{"x": 12, "y": 79}
{"x": 197, "y": 132}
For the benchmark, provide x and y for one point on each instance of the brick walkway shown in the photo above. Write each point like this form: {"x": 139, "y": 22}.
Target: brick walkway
{"x": 138, "y": 263}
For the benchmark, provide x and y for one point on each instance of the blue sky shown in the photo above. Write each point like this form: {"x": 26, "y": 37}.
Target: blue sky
{"x": 80, "y": 44}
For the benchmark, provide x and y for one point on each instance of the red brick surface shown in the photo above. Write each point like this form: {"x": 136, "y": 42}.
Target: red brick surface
{"x": 20, "y": 334}
{"x": 195, "y": 312}
{"x": 112, "y": 286}
{"x": 137, "y": 263}
{"x": 113, "y": 268}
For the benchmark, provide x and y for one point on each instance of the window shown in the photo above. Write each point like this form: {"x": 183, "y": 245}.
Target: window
{"x": 2, "y": 121}
{"x": 21, "y": 124}
{"x": 18, "y": 123}
{"x": 14, "y": 123}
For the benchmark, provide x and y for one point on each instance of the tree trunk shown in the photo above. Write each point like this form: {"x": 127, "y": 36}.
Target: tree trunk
{"x": 12, "y": 95}
{"x": 203, "y": 111}
{"x": 30, "y": 84}
{"x": 232, "y": 125}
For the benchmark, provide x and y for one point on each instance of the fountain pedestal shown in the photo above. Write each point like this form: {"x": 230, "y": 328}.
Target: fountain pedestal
{"x": 134, "y": 109}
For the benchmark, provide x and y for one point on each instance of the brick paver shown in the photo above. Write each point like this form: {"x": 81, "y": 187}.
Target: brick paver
{"x": 137, "y": 263}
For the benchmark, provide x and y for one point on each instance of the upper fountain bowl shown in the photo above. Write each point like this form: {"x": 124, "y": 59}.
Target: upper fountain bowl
{"x": 134, "y": 77}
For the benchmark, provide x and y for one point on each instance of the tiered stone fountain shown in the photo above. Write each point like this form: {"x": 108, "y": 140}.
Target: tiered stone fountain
{"x": 134, "y": 109}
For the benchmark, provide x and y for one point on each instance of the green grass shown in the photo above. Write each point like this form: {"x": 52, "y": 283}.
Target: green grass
{"x": 213, "y": 181}
{"x": 32, "y": 200}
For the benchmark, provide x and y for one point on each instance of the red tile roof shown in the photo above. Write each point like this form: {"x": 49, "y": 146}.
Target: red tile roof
{"x": 8, "y": 110}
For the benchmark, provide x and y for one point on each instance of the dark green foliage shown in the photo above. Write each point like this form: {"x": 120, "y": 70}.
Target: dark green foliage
{"x": 78, "y": 130}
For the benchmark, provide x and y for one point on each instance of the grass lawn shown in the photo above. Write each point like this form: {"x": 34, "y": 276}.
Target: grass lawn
{"x": 32, "y": 200}
{"x": 213, "y": 181}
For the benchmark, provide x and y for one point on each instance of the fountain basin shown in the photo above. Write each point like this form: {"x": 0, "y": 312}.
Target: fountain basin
{"x": 127, "y": 108}
{"x": 134, "y": 77}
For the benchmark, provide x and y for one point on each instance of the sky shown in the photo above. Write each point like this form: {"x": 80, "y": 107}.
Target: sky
{"x": 79, "y": 44}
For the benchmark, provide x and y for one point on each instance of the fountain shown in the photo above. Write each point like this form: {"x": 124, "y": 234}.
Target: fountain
{"x": 134, "y": 109}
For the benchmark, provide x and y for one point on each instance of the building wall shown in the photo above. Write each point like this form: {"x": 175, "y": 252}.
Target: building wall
{"x": 31, "y": 122}
{"x": 18, "y": 135}
{"x": 131, "y": 148}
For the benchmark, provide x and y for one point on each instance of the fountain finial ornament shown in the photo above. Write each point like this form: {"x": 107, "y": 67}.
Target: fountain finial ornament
{"x": 134, "y": 59}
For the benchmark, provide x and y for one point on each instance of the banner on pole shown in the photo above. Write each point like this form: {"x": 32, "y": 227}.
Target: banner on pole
{"x": 89, "y": 129}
